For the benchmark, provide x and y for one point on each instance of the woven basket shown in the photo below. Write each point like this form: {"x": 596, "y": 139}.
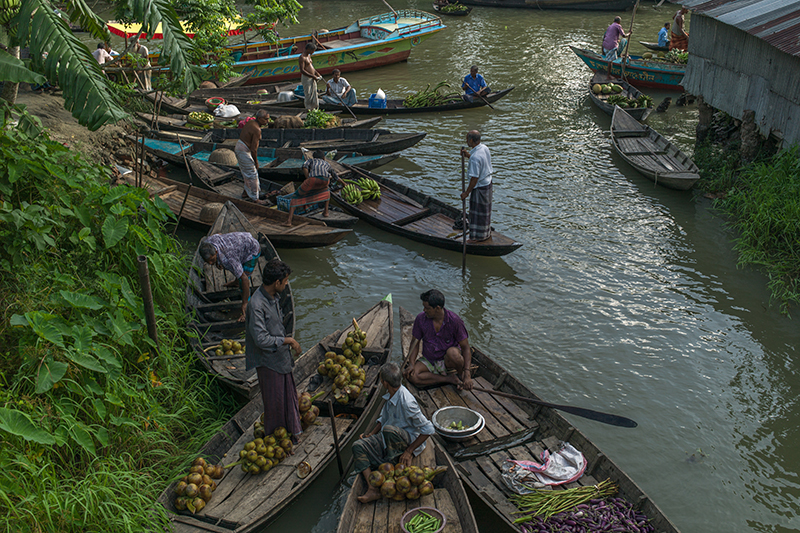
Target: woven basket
{"x": 223, "y": 156}
{"x": 210, "y": 212}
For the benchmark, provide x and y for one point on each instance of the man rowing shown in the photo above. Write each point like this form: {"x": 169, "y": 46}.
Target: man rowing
{"x": 614, "y": 40}
{"x": 474, "y": 85}
{"x": 339, "y": 90}
{"x": 445, "y": 346}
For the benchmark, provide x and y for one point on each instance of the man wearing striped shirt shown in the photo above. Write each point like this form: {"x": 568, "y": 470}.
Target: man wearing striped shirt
{"x": 237, "y": 253}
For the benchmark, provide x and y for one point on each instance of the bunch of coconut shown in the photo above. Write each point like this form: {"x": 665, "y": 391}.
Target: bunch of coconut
{"x": 400, "y": 482}
{"x": 308, "y": 411}
{"x": 193, "y": 492}
{"x": 345, "y": 369}
{"x": 260, "y": 454}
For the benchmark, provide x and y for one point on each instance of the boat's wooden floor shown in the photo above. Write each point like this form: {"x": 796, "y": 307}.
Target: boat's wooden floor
{"x": 384, "y": 516}
{"x": 243, "y": 498}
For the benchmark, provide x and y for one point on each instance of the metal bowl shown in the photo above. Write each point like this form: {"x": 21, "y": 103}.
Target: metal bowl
{"x": 473, "y": 422}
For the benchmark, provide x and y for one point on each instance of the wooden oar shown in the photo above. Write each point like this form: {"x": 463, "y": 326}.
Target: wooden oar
{"x": 342, "y": 101}
{"x": 605, "y": 418}
{"x": 463, "y": 217}
{"x": 481, "y": 97}
{"x": 628, "y": 43}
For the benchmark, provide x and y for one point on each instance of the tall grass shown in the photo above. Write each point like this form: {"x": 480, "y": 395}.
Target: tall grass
{"x": 765, "y": 209}
{"x": 94, "y": 422}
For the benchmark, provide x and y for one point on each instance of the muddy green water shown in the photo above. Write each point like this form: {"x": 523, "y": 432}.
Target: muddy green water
{"x": 625, "y": 298}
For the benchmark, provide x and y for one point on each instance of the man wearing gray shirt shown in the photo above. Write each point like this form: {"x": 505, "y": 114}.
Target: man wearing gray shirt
{"x": 267, "y": 349}
{"x": 400, "y": 433}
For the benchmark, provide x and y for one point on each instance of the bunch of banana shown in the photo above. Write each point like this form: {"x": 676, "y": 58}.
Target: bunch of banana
{"x": 370, "y": 189}
{"x": 8, "y": 9}
{"x": 429, "y": 98}
{"x": 352, "y": 194}
{"x": 199, "y": 118}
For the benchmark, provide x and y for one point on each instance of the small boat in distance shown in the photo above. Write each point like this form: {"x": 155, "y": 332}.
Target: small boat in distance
{"x": 396, "y": 107}
{"x": 571, "y": 5}
{"x": 455, "y": 9}
{"x": 654, "y": 46}
{"x": 650, "y": 153}
{"x": 638, "y": 71}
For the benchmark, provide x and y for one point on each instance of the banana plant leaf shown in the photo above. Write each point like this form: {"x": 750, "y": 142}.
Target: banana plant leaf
{"x": 14, "y": 70}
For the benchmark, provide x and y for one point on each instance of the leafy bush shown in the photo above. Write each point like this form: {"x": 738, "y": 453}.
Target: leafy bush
{"x": 94, "y": 420}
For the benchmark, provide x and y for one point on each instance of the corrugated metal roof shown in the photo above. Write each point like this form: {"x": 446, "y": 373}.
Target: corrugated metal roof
{"x": 775, "y": 21}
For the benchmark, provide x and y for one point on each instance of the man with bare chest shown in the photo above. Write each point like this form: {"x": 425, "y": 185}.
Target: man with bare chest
{"x": 309, "y": 77}
{"x": 246, "y": 151}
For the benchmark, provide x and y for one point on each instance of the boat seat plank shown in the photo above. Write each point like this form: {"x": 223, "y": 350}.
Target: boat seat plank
{"x": 413, "y": 217}
{"x": 619, "y": 134}
{"x": 437, "y": 224}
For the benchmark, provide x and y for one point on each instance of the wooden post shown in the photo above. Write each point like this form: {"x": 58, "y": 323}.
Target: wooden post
{"x": 335, "y": 437}
{"x": 463, "y": 217}
{"x": 147, "y": 299}
{"x": 188, "y": 189}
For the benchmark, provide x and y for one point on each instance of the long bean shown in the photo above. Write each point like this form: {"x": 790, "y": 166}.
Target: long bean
{"x": 546, "y": 503}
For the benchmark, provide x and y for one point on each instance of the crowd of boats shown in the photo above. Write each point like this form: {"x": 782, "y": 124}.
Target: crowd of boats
{"x": 516, "y": 423}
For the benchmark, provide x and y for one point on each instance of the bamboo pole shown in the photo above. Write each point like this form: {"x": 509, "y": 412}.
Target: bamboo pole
{"x": 463, "y": 216}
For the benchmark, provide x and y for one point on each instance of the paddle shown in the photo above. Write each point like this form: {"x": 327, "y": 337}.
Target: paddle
{"x": 342, "y": 101}
{"x": 628, "y": 42}
{"x": 605, "y": 418}
{"x": 463, "y": 216}
{"x": 481, "y": 97}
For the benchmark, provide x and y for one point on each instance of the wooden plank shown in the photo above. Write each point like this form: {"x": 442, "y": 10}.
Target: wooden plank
{"x": 445, "y": 504}
{"x": 380, "y": 521}
{"x": 396, "y": 512}
{"x": 365, "y": 518}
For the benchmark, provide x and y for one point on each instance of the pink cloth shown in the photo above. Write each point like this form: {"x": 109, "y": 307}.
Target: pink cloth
{"x": 612, "y": 37}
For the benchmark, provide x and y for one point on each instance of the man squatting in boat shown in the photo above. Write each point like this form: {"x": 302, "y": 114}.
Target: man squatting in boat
{"x": 237, "y": 253}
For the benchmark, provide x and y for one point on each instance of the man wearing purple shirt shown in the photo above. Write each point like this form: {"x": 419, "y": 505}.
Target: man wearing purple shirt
{"x": 611, "y": 39}
{"x": 237, "y": 253}
{"x": 444, "y": 346}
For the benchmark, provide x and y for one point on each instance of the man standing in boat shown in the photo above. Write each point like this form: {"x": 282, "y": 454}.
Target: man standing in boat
{"x": 246, "y": 151}
{"x": 399, "y": 435}
{"x": 309, "y": 77}
{"x": 237, "y": 253}
{"x": 268, "y": 349}
{"x": 474, "y": 84}
{"x": 612, "y": 39}
{"x": 680, "y": 37}
{"x": 445, "y": 346}
{"x": 479, "y": 191}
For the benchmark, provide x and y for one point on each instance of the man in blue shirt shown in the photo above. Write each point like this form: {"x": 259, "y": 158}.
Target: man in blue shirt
{"x": 399, "y": 435}
{"x": 474, "y": 84}
{"x": 663, "y": 35}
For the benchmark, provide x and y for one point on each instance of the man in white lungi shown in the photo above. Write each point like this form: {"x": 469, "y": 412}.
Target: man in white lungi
{"x": 246, "y": 151}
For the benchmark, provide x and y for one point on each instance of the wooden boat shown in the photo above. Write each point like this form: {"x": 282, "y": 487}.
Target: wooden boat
{"x": 240, "y": 91}
{"x": 383, "y": 516}
{"x": 517, "y": 430}
{"x": 601, "y": 100}
{"x": 304, "y": 233}
{"x": 184, "y": 126}
{"x": 244, "y": 503}
{"x": 571, "y": 5}
{"x": 214, "y": 309}
{"x": 650, "y": 153}
{"x": 366, "y": 142}
{"x": 279, "y": 164}
{"x": 641, "y": 72}
{"x": 366, "y": 43}
{"x": 167, "y": 104}
{"x": 419, "y": 217}
{"x": 396, "y": 107}
{"x": 229, "y": 183}
{"x": 439, "y": 8}
{"x": 654, "y": 46}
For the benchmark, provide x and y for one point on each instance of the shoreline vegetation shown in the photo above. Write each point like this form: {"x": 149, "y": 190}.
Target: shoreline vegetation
{"x": 761, "y": 203}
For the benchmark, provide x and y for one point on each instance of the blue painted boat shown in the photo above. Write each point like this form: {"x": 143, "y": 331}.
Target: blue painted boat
{"x": 638, "y": 71}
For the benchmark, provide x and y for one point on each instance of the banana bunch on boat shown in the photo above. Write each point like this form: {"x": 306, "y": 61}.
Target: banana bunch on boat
{"x": 370, "y": 189}
{"x": 430, "y": 97}
{"x": 352, "y": 194}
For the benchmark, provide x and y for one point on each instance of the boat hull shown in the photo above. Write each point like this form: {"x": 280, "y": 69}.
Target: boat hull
{"x": 570, "y": 5}
{"x": 395, "y": 107}
{"x": 639, "y": 72}
{"x": 600, "y": 100}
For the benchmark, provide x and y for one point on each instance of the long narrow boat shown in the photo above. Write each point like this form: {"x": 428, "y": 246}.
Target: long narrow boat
{"x": 638, "y": 71}
{"x": 654, "y": 46}
{"x": 269, "y": 92}
{"x": 601, "y": 100}
{"x": 570, "y": 5}
{"x": 650, "y": 153}
{"x": 383, "y": 516}
{"x": 462, "y": 11}
{"x": 229, "y": 183}
{"x": 419, "y": 217}
{"x": 184, "y": 126}
{"x": 214, "y": 308}
{"x": 281, "y": 164}
{"x": 396, "y": 107}
{"x": 244, "y": 503}
{"x": 517, "y": 430}
{"x": 366, "y": 142}
{"x": 188, "y": 203}
{"x": 366, "y": 43}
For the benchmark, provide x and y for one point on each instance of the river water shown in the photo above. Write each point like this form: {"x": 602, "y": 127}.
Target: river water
{"x": 625, "y": 297}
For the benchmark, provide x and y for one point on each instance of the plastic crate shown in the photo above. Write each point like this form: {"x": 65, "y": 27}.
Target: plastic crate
{"x": 376, "y": 103}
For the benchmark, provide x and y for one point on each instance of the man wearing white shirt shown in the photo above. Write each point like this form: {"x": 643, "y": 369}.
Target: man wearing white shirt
{"x": 339, "y": 90}
{"x": 101, "y": 55}
{"x": 479, "y": 190}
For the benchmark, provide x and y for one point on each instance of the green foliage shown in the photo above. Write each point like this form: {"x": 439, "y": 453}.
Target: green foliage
{"x": 765, "y": 206}
{"x": 717, "y": 166}
{"x": 94, "y": 421}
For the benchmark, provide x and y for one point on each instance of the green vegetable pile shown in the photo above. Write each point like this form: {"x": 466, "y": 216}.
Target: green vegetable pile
{"x": 677, "y": 56}
{"x": 624, "y": 101}
{"x": 456, "y": 425}
{"x": 423, "y": 523}
{"x": 547, "y": 503}
{"x": 430, "y": 97}
{"x": 452, "y": 8}
{"x": 317, "y": 118}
